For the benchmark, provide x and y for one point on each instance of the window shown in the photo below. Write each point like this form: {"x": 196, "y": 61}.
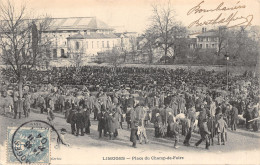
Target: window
{"x": 103, "y": 44}
{"x": 77, "y": 45}
{"x": 200, "y": 45}
{"x": 54, "y": 53}
{"x": 200, "y": 39}
{"x": 92, "y": 44}
{"x": 62, "y": 53}
{"x": 207, "y": 45}
{"x": 48, "y": 53}
{"x": 213, "y": 46}
{"x": 65, "y": 42}
{"x": 108, "y": 44}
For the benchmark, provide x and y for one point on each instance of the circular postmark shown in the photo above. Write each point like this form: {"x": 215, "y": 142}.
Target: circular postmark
{"x": 31, "y": 144}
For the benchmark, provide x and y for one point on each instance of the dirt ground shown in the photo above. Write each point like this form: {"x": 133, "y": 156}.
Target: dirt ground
{"x": 92, "y": 148}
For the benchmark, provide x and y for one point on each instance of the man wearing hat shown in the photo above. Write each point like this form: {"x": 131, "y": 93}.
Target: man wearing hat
{"x": 134, "y": 128}
{"x": 78, "y": 118}
{"x": 233, "y": 117}
{"x": 204, "y": 133}
{"x": 101, "y": 123}
{"x": 175, "y": 131}
{"x": 71, "y": 120}
{"x": 87, "y": 124}
{"x": 203, "y": 114}
{"x": 170, "y": 120}
{"x": 41, "y": 103}
{"x": 191, "y": 117}
{"x": 221, "y": 129}
{"x": 157, "y": 124}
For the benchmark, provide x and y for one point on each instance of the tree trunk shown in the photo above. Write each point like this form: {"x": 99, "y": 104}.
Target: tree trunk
{"x": 165, "y": 54}
{"x": 20, "y": 88}
{"x": 20, "y": 92}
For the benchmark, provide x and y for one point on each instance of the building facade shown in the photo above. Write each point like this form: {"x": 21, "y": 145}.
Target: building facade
{"x": 208, "y": 39}
{"x": 85, "y": 35}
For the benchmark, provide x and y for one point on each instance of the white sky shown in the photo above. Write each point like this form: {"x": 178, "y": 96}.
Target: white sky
{"x": 133, "y": 15}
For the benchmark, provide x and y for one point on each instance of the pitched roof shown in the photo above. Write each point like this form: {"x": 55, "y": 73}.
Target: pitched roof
{"x": 210, "y": 33}
{"x": 192, "y": 40}
{"x": 99, "y": 35}
{"x": 92, "y": 36}
{"x": 77, "y": 23}
{"x": 76, "y": 36}
{"x": 119, "y": 34}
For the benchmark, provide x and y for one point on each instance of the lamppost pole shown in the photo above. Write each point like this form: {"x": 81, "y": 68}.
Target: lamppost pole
{"x": 227, "y": 58}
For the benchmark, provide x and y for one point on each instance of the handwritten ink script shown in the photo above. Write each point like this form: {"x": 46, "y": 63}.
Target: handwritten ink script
{"x": 225, "y": 16}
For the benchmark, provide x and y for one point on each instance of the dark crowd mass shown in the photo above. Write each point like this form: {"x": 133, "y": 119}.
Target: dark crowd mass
{"x": 175, "y": 102}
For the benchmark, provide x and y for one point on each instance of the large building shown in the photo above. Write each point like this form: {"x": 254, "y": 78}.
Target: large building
{"x": 87, "y": 36}
{"x": 207, "y": 39}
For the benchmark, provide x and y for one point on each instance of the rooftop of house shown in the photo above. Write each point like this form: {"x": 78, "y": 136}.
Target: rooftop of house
{"x": 77, "y": 23}
{"x": 210, "y": 33}
{"x": 92, "y": 36}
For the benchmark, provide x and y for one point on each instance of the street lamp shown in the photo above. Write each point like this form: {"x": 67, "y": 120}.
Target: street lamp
{"x": 227, "y": 58}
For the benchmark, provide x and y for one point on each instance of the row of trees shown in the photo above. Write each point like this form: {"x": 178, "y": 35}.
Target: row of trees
{"x": 169, "y": 38}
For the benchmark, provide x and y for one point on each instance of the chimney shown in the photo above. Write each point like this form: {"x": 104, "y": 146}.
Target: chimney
{"x": 204, "y": 30}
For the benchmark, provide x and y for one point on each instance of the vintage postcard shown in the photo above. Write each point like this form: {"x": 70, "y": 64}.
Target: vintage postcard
{"x": 129, "y": 82}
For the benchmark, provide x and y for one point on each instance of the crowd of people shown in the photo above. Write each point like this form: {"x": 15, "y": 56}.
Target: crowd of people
{"x": 175, "y": 101}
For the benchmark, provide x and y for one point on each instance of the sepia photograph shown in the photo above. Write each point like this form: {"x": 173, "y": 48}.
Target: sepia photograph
{"x": 129, "y": 82}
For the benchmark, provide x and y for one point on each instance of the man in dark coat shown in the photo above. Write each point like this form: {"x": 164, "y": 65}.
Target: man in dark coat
{"x": 155, "y": 110}
{"x": 87, "y": 123}
{"x": 169, "y": 121}
{"x": 41, "y": 103}
{"x": 163, "y": 114}
{"x": 79, "y": 120}
{"x": 101, "y": 123}
{"x": 129, "y": 111}
{"x": 71, "y": 121}
{"x": 204, "y": 133}
{"x": 175, "y": 131}
{"x": 191, "y": 116}
{"x": 157, "y": 125}
{"x": 202, "y": 115}
{"x": 130, "y": 101}
{"x": 96, "y": 109}
{"x": 67, "y": 108}
{"x": 233, "y": 117}
{"x": 134, "y": 128}
{"x": 111, "y": 125}
{"x": 61, "y": 102}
